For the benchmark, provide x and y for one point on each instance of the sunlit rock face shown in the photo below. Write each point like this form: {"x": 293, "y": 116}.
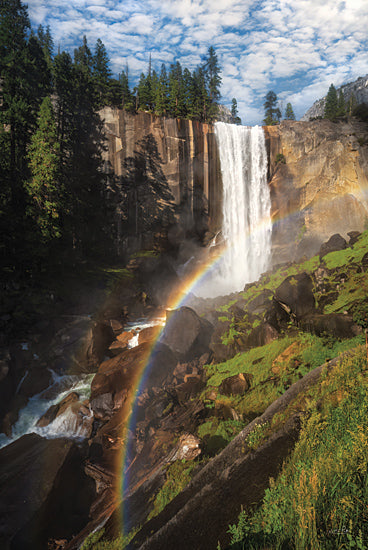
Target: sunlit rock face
{"x": 318, "y": 186}
{"x": 184, "y": 151}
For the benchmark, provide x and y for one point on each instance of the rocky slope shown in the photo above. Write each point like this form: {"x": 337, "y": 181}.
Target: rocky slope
{"x": 218, "y": 413}
{"x": 358, "y": 89}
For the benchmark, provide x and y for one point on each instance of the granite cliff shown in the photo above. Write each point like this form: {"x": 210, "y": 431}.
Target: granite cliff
{"x": 187, "y": 153}
{"x": 358, "y": 89}
{"x": 319, "y": 181}
{"x": 317, "y": 174}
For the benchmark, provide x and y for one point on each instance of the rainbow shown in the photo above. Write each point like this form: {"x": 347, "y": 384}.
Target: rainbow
{"x": 176, "y": 300}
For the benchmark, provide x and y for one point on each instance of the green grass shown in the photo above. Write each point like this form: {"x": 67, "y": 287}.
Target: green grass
{"x": 216, "y": 434}
{"x": 307, "y": 352}
{"x": 178, "y": 475}
{"x": 320, "y": 498}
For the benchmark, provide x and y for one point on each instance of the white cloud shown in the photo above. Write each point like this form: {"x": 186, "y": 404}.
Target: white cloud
{"x": 296, "y": 47}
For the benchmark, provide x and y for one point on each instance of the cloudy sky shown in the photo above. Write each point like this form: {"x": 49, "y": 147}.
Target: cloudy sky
{"x": 295, "y": 47}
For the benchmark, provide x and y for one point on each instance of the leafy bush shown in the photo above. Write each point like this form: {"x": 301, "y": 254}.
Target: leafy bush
{"x": 280, "y": 158}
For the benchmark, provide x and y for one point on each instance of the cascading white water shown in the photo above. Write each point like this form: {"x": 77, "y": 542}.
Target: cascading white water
{"x": 246, "y": 225}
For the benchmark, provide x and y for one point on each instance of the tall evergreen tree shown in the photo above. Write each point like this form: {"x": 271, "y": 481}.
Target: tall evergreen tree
{"x": 44, "y": 186}
{"x": 212, "y": 72}
{"x": 272, "y": 112}
{"x": 289, "y": 113}
{"x": 234, "y": 111}
{"x": 341, "y": 107}
{"x": 47, "y": 44}
{"x": 23, "y": 76}
{"x": 161, "y": 99}
{"x": 126, "y": 95}
{"x": 331, "y": 105}
{"x": 176, "y": 91}
{"x": 101, "y": 73}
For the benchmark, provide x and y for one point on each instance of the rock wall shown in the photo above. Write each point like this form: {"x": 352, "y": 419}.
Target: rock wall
{"x": 319, "y": 186}
{"x": 187, "y": 153}
{"x": 358, "y": 89}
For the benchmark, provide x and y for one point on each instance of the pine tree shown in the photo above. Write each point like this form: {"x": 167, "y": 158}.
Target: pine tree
{"x": 331, "y": 105}
{"x": 272, "y": 112}
{"x": 161, "y": 100}
{"x": 47, "y": 44}
{"x": 177, "y": 104}
{"x": 126, "y": 94}
{"x": 213, "y": 71}
{"x": 234, "y": 111}
{"x": 289, "y": 113}
{"x": 351, "y": 104}
{"x": 101, "y": 73}
{"x": 44, "y": 185}
{"x": 341, "y": 108}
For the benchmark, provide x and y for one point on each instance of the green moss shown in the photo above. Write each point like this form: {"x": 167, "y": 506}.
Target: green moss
{"x": 178, "y": 475}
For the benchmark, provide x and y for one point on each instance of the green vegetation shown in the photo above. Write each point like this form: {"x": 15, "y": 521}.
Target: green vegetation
{"x": 320, "y": 498}
{"x": 331, "y": 105}
{"x": 272, "y": 112}
{"x": 289, "y": 113}
{"x": 94, "y": 542}
{"x": 178, "y": 475}
{"x": 216, "y": 434}
{"x": 280, "y": 158}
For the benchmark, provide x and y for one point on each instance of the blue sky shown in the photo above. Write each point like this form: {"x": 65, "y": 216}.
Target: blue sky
{"x": 295, "y": 47}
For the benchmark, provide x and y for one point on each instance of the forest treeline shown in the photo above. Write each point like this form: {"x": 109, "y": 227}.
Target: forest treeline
{"x": 52, "y": 185}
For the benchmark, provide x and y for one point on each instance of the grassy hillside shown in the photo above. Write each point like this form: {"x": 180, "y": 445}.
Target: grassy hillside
{"x": 320, "y": 497}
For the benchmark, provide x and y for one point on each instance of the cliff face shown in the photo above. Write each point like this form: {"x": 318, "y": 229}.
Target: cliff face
{"x": 320, "y": 189}
{"x": 358, "y": 89}
{"x": 320, "y": 186}
{"x": 185, "y": 152}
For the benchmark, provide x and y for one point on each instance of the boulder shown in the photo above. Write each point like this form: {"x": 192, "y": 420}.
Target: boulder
{"x": 36, "y": 380}
{"x": 43, "y": 491}
{"x": 353, "y": 237}
{"x": 187, "y": 448}
{"x": 186, "y": 334}
{"x": 115, "y": 379}
{"x": 236, "y": 385}
{"x": 57, "y": 410}
{"x": 334, "y": 243}
{"x": 365, "y": 261}
{"x": 295, "y": 295}
{"x": 260, "y": 303}
{"x": 336, "y": 324}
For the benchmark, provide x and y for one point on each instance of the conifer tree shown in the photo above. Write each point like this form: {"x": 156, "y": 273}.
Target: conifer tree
{"x": 212, "y": 72}
{"x": 331, "y": 105}
{"x": 161, "y": 100}
{"x": 234, "y": 111}
{"x": 341, "y": 108}
{"x": 272, "y": 112}
{"x": 177, "y": 105}
{"x": 44, "y": 186}
{"x": 289, "y": 113}
{"x": 101, "y": 73}
{"x": 126, "y": 95}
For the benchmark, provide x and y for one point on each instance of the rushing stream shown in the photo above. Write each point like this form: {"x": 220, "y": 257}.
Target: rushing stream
{"x": 246, "y": 227}
{"x": 65, "y": 425}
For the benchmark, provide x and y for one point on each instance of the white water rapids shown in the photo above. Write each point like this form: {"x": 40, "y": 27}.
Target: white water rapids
{"x": 246, "y": 226}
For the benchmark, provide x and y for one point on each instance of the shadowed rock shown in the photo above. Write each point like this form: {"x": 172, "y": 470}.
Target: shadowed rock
{"x": 295, "y": 294}
{"x": 334, "y": 243}
{"x": 186, "y": 334}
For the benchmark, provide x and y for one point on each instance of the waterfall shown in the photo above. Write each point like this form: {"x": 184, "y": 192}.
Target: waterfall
{"x": 246, "y": 226}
